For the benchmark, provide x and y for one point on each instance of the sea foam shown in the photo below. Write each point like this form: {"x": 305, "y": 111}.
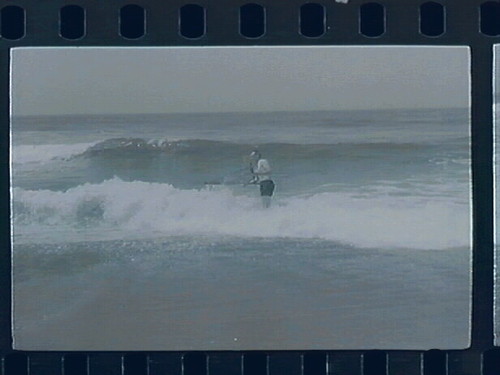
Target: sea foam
{"x": 153, "y": 209}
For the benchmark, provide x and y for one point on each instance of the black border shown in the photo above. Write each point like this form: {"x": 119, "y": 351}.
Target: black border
{"x": 282, "y": 28}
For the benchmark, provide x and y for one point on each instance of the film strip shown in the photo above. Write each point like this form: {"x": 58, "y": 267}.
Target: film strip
{"x": 64, "y": 23}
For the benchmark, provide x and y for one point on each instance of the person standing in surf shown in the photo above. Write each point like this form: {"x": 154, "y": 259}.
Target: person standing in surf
{"x": 261, "y": 170}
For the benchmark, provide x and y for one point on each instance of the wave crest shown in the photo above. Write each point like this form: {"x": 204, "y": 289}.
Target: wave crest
{"x": 43, "y": 153}
{"x": 130, "y": 147}
{"x": 152, "y": 209}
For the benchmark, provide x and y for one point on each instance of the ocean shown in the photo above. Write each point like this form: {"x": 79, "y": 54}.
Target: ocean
{"x": 140, "y": 232}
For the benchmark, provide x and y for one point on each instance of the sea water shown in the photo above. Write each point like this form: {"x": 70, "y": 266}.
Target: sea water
{"x": 142, "y": 232}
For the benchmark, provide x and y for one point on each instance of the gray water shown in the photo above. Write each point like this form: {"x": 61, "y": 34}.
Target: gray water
{"x": 233, "y": 294}
{"x": 139, "y": 232}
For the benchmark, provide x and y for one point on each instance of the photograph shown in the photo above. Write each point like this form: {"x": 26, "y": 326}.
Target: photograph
{"x": 240, "y": 198}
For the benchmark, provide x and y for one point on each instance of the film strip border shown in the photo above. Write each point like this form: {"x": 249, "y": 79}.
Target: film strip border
{"x": 474, "y": 23}
{"x": 146, "y": 22}
{"x": 433, "y": 362}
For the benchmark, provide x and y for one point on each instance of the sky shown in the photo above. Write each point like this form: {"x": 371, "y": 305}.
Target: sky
{"x": 103, "y": 80}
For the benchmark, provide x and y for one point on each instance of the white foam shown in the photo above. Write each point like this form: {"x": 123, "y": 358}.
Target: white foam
{"x": 42, "y": 153}
{"x": 145, "y": 209}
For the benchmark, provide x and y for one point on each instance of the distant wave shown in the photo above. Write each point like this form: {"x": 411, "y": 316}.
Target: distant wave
{"x": 152, "y": 209}
{"x": 118, "y": 147}
{"x": 43, "y": 153}
{"x": 132, "y": 145}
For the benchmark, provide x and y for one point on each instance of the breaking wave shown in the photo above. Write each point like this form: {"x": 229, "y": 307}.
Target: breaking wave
{"x": 42, "y": 153}
{"x": 155, "y": 209}
{"x": 130, "y": 147}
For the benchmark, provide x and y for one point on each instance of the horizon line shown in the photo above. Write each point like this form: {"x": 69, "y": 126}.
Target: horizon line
{"x": 237, "y": 112}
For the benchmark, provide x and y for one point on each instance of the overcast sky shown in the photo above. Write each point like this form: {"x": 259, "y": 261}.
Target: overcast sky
{"x": 80, "y": 80}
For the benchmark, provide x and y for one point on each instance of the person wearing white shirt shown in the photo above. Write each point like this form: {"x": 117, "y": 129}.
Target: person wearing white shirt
{"x": 261, "y": 171}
